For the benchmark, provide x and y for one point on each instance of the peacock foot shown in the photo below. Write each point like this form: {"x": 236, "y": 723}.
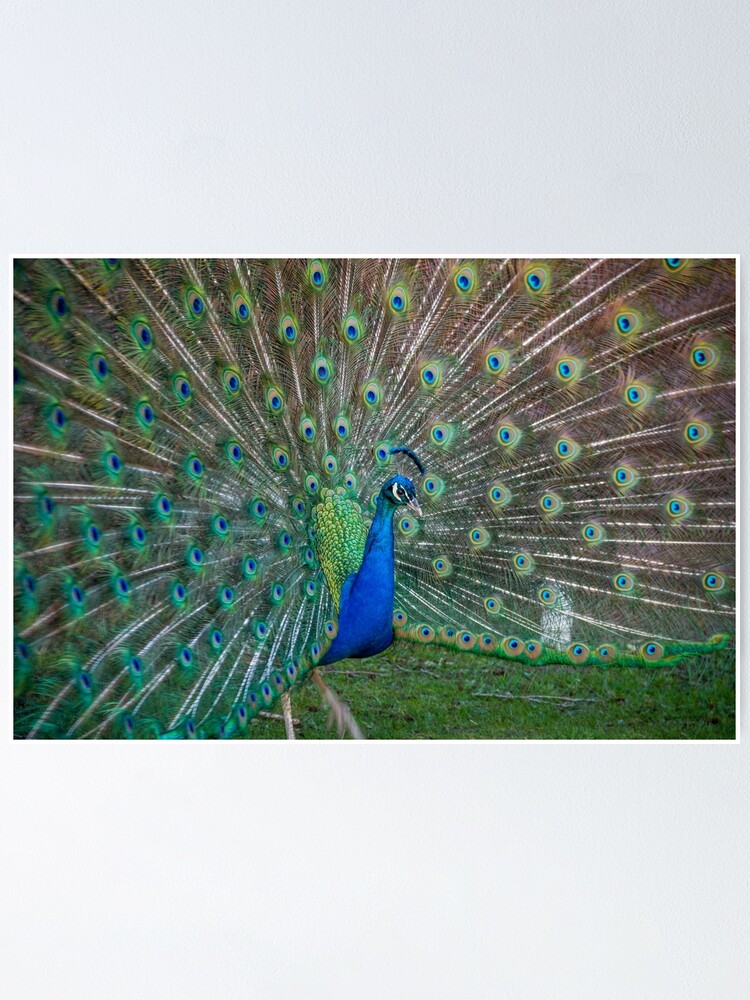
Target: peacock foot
{"x": 340, "y": 713}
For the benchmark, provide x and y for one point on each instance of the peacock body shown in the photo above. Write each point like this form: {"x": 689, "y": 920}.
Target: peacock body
{"x": 232, "y": 472}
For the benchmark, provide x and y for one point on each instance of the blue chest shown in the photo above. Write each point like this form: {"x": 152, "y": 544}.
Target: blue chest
{"x": 365, "y": 625}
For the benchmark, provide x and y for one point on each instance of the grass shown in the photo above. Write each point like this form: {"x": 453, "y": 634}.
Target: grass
{"x": 412, "y": 692}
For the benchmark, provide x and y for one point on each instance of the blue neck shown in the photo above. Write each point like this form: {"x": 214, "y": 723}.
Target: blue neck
{"x": 379, "y": 543}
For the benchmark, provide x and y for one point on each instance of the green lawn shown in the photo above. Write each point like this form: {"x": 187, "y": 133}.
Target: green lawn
{"x": 411, "y": 692}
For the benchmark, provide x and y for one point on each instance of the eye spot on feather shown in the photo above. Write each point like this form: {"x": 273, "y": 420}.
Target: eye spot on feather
{"x": 249, "y": 567}
{"x": 478, "y": 537}
{"x": 196, "y": 305}
{"x": 58, "y": 304}
{"x": 231, "y": 380}
{"x": 703, "y": 356}
{"x": 566, "y": 449}
{"x": 440, "y": 434}
{"x": 466, "y": 640}
{"x": 442, "y": 566}
{"x": 628, "y": 322}
{"x": 307, "y": 429}
{"x": 342, "y": 428}
{"x": 578, "y": 653}
{"x": 351, "y": 329}
{"x": 675, "y": 263}
{"x": 234, "y": 452}
{"x": 145, "y": 414}
{"x": 499, "y": 495}
{"x": 241, "y": 307}
{"x": 606, "y": 653}
{"x": 431, "y": 375}
{"x": 697, "y": 433}
{"x": 57, "y": 419}
{"x": 533, "y": 649}
{"x": 330, "y": 465}
{"x": 318, "y": 274}
{"x": 569, "y": 369}
{"x": 280, "y": 458}
{"x": 113, "y": 463}
{"x": 523, "y": 563}
{"x": 181, "y": 388}
{"x": 220, "y": 525}
{"x": 398, "y": 300}
{"x": 465, "y": 279}
{"x": 407, "y": 526}
{"x": 493, "y": 605}
{"x": 624, "y": 582}
{"x": 321, "y": 369}
{"x": 652, "y": 651}
{"x": 497, "y": 361}
{"x": 625, "y": 477}
{"x": 714, "y": 581}
{"x": 288, "y": 329}
{"x": 163, "y": 506}
{"x": 593, "y": 532}
{"x": 433, "y": 486}
{"x": 178, "y": 592}
{"x": 679, "y": 508}
{"x": 637, "y": 395}
{"x": 99, "y": 367}
{"x": 547, "y": 596}
{"x": 312, "y": 485}
{"x": 137, "y": 536}
{"x": 537, "y": 279}
{"x": 512, "y": 646}
{"x": 425, "y": 633}
{"x": 194, "y": 467}
{"x": 195, "y": 556}
{"x": 508, "y": 435}
{"x": 551, "y": 504}
{"x": 274, "y": 400}
{"x": 258, "y": 508}
{"x": 371, "y": 394}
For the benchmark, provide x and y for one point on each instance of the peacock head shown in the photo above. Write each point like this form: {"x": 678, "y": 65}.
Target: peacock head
{"x": 400, "y": 491}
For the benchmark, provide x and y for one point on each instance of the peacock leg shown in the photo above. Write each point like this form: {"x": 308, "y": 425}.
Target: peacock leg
{"x": 286, "y": 706}
{"x": 340, "y": 712}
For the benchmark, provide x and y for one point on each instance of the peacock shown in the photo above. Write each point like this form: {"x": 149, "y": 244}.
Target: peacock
{"x": 230, "y": 474}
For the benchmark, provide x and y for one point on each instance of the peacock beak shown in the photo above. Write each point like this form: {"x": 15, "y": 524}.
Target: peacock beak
{"x": 415, "y": 507}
